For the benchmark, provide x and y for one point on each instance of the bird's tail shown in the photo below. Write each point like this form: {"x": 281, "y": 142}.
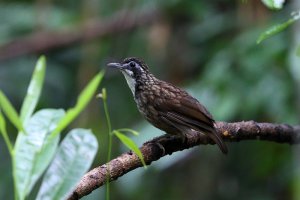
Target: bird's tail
{"x": 218, "y": 140}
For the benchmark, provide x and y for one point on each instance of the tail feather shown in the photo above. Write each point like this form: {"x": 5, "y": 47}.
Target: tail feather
{"x": 218, "y": 140}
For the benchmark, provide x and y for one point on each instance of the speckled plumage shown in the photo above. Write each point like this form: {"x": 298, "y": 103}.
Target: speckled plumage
{"x": 166, "y": 106}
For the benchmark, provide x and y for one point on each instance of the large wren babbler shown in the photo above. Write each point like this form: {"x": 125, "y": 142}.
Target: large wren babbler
{"x": 166, "y": 106}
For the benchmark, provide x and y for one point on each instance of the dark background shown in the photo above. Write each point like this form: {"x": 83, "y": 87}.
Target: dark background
{"x": 206, "y": 47}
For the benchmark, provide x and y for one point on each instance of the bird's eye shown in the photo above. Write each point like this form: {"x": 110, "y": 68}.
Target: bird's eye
{"x": 131, "y": 64}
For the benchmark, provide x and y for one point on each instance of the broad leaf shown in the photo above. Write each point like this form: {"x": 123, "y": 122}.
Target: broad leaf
{"x": 73, "y": 159}
{"x": 131, "y": 145}
{"x": 34, "y": 90}
{"x": 10, "y": 112}
{"x": 34, "y": 151}
{"x": 83, "y": 99}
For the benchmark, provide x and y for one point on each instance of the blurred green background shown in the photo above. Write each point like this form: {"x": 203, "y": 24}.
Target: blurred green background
{"x": 206, "y": 47}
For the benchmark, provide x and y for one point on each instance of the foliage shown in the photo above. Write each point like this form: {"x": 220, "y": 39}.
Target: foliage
{"x": 75, "y": 154}
{"x": 82, "y": 101}
{"x": 123, "y": 138}
{"x": 207, "y": 47}
{"x": 34, "y": 90}
{"x": 278, "y": 28}
{"x": 130, "y": 144}
{"x": 33, "y": 151}
{"x": 10, "y": 112}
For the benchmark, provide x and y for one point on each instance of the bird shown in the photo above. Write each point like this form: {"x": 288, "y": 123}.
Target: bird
{"x": 166, "y": 106}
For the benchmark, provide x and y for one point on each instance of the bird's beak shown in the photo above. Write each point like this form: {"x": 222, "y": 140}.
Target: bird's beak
{"x": 115, "y": 65}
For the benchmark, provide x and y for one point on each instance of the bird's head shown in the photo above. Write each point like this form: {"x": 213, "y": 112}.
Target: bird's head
{"x": 133, "y": 69}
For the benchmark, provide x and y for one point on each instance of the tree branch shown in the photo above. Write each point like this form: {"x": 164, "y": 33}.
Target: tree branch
{"x": 165, "y": 145}
{"x": 44, "y": 41}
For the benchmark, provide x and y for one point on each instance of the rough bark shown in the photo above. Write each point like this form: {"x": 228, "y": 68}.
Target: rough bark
{"x": 159, "y": 147}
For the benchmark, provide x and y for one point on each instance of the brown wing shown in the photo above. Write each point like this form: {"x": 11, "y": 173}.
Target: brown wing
{"x": 195, "y": 110}
{"x": 179, "y": 102}
{"x": 184, "y": 110}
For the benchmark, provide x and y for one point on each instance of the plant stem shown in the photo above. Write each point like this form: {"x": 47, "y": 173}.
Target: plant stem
{"x": 7, "y": 142}
{"x": 5, "y": 135}
{"x": 109, "y": 142}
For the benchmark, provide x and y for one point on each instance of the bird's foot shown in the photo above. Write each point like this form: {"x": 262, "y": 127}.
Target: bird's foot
{"x": 164, "y": 140}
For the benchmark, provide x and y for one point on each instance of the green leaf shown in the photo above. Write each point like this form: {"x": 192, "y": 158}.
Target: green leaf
{"x": 277, "y": 28}
{"x": 273, "y": 4}
{"x": 83, "y": 99}
{"x": 131, "y": 145}
{"x": 34, "y": 151}
{"x": 73, "y": 159}
{"x": 10, "y": 112}
{"x": 34, "y": 90}
{"x": 128, "y": 130}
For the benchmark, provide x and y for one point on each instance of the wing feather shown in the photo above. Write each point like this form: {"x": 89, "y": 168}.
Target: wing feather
{"x": 184, "y": 111}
